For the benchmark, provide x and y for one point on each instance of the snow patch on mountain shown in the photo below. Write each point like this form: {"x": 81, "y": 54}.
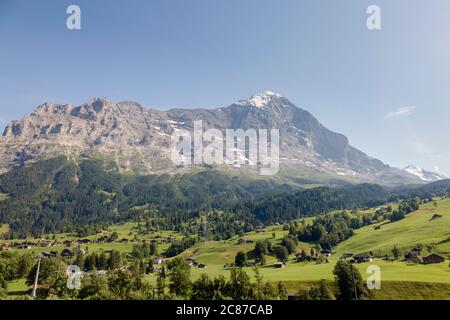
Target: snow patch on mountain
{"x": 260, "y": 100}
{"x": 423, "y": 174}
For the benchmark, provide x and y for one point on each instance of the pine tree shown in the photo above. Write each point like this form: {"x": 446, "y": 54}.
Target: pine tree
{"x": 241, "y": 259}
{"x": 349, "y": 281}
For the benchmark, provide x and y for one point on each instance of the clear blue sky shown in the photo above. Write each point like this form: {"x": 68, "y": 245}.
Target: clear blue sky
{"x": 210, "y": 53}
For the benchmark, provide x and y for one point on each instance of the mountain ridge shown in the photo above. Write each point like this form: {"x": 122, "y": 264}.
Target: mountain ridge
{"x": 138, "y": 138}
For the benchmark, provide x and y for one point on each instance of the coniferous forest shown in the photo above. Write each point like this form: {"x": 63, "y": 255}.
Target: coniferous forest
{"x": 58, "y": 195}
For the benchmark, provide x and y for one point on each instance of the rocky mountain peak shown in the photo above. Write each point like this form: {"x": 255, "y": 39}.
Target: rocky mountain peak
{"x": 139, "y": 139}
{"x": 99, "y": 104}
{"x": 262, "y": 100}
{"x": 51, "y": 108}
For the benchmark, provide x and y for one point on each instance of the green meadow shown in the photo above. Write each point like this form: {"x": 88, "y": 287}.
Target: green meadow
{"x": 417, "y": 228}
{"x": 400, "y": 280}
{"x": 398, "y": 276}
{"x": 18, "y": 288}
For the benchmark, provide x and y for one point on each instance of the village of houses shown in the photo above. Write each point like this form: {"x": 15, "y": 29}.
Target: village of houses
{"x": 73, "y": 247}
{"x": 412, "y": 256}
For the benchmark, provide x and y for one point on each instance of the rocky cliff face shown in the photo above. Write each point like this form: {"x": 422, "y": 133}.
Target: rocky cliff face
{"x": 125, "y": 132}
{"x": 138, "y": 139}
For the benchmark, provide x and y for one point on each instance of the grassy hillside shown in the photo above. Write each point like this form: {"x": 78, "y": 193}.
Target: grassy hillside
{"x": 417, "y": 228}
{"x": 414, "y": 229}
{"x": 400, "y": 280}
{"x": 390, "y": 290}
{"x": 215, "y": 255}
{"x": 16, "y": 289}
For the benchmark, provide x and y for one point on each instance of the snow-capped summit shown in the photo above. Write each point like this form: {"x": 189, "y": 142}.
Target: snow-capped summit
{"x": 137, "y": 138}
{"x": 424, "y": 175}
{"x": 260, "y": 100}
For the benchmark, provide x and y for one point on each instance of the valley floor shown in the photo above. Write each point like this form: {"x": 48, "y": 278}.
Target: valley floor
{"x": 399, "y": 279}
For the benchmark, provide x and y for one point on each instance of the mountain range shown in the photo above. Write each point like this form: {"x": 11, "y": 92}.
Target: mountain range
{"x": 138, "y": 139}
